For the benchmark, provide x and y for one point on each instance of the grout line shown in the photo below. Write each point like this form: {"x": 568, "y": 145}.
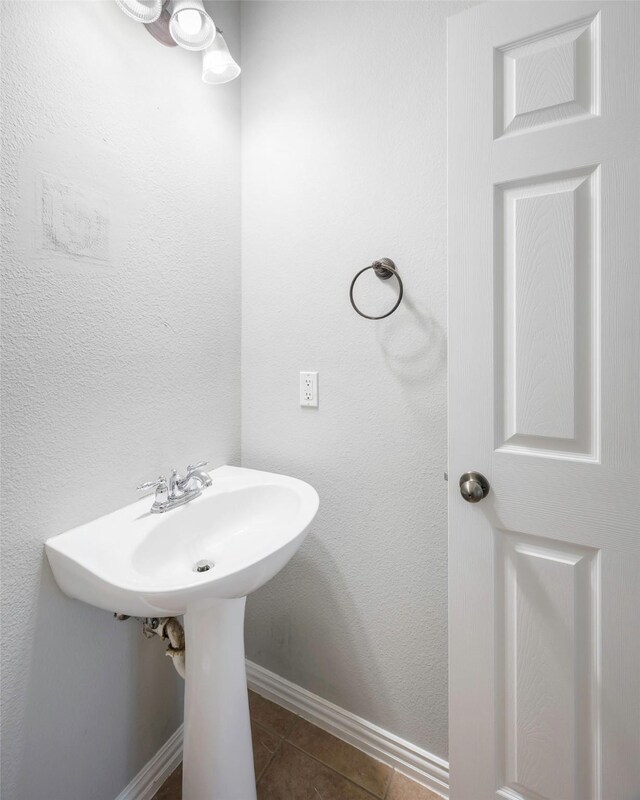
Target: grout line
{"x": 296, "y": 722}
{"x": 270, "y": 761}
{"x": 280, "y": 739}
{"x": 273, "y": 754}
{"x": 269, "y": 764}
{"x": 285, "y": 738}
{"x": 294, "y": 725}
{"x": 388, "y": 792}
{"x": 335, "y": 771}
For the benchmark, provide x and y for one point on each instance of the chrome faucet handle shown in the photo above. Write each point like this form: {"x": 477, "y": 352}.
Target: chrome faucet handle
{"x": 161, "y": 497}
{"x": 159, "y": 483}
{"x": 195, "y": 471}
{"x": 196, "y": 467}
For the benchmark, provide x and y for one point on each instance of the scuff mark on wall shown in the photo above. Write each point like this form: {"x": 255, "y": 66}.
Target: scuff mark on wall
{"x": 74, "y": 220}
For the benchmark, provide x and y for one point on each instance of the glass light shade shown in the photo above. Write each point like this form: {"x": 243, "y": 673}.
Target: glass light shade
{"x": 141, "y": 10}
{"x": 218, "y": 65}
{"x": 190, "y": 25}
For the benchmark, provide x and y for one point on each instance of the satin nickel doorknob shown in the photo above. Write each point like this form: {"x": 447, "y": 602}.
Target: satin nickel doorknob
{"x": 474, "y": 487}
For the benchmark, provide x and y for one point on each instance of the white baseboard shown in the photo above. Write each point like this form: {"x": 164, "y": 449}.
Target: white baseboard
{"x": 412, "y": 761}
{"x": 407, "y": 758}
{"x": 156, "y": 771}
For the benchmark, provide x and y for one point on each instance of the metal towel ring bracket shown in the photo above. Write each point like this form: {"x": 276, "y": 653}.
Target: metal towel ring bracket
{"x": 384, "y": 269}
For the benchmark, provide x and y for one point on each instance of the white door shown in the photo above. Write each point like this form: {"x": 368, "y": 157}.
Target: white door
{"x": 544, "y": 355}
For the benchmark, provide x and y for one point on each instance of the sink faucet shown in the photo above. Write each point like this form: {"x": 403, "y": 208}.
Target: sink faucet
{"x": 177, "y": 490}
{"x": 196, "y": 475}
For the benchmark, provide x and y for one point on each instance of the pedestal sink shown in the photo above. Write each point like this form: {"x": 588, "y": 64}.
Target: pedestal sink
{"x": 245, "y": 527}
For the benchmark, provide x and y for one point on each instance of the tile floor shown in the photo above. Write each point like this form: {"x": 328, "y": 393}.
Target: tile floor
{"x": 294, "y": 760}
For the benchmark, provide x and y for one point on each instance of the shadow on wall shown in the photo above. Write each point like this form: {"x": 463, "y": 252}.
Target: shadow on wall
{"x": 413, "y": 343}
{"x": 115, "y": 682}
{"x": 304, "y": 640}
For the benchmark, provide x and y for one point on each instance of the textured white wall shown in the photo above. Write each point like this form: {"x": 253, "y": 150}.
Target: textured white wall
{"x": 111, "y": 372}
{"x": 344, "y": 147}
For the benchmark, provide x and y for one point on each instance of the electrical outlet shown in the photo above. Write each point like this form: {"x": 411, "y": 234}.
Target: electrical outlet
{"x": 309, "y": 389}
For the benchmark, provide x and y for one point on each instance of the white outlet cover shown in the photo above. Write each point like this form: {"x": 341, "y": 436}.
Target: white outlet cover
{"x": 309, "y": 389}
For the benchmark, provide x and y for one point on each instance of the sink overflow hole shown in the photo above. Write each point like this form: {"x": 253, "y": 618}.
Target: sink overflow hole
{"x": 203, "y": 565}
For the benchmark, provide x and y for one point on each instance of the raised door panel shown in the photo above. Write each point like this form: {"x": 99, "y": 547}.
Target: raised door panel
{"x": 546, "y": 314}
{"x": 548, "y": 78}
{"x": 547, "y": 651}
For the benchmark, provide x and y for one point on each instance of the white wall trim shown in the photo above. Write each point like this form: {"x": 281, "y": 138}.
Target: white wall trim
{"x": 407, "y": 758}
{"x": 156, "y": 771}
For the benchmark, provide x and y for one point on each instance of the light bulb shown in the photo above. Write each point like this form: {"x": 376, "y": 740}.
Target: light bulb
{"x": 190, "y": 21}
{"x": 190, "y": 25}
{"x": 141, "y": 10}
{"x": 218, "y": 65}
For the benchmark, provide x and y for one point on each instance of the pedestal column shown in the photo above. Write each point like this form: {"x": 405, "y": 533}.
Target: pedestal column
{"x": 218, "y": 756}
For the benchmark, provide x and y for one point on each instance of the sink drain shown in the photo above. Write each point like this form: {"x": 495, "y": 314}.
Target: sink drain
{"x": 203, "y": 565}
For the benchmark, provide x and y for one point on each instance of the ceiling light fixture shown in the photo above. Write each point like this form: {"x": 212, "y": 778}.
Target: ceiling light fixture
{"x": 141, "y": 10}
{"x": 190, "y": 26}
{"x": 218, "y": 65}
{"x": 160, "y": 29}
{"x": 186, "y": 23}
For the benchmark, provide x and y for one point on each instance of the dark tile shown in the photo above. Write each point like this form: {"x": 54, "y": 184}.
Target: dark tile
{"x": 171, "y": 789}
{"x": 342, "y": 757}
{"x": 265, "y": 745}
{"x": 293, "y": 775}
{"x": 403, "y": 788}
{"x": 270, "y": 716}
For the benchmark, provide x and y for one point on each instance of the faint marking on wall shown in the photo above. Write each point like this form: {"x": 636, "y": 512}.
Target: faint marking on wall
{"x": 74, "y": 220}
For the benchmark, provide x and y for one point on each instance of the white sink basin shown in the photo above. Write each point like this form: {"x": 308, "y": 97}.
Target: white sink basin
{"x": 247, "y": 525}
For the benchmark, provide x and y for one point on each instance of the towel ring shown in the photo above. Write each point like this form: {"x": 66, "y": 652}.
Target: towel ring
{"x": 384, "y": 269}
